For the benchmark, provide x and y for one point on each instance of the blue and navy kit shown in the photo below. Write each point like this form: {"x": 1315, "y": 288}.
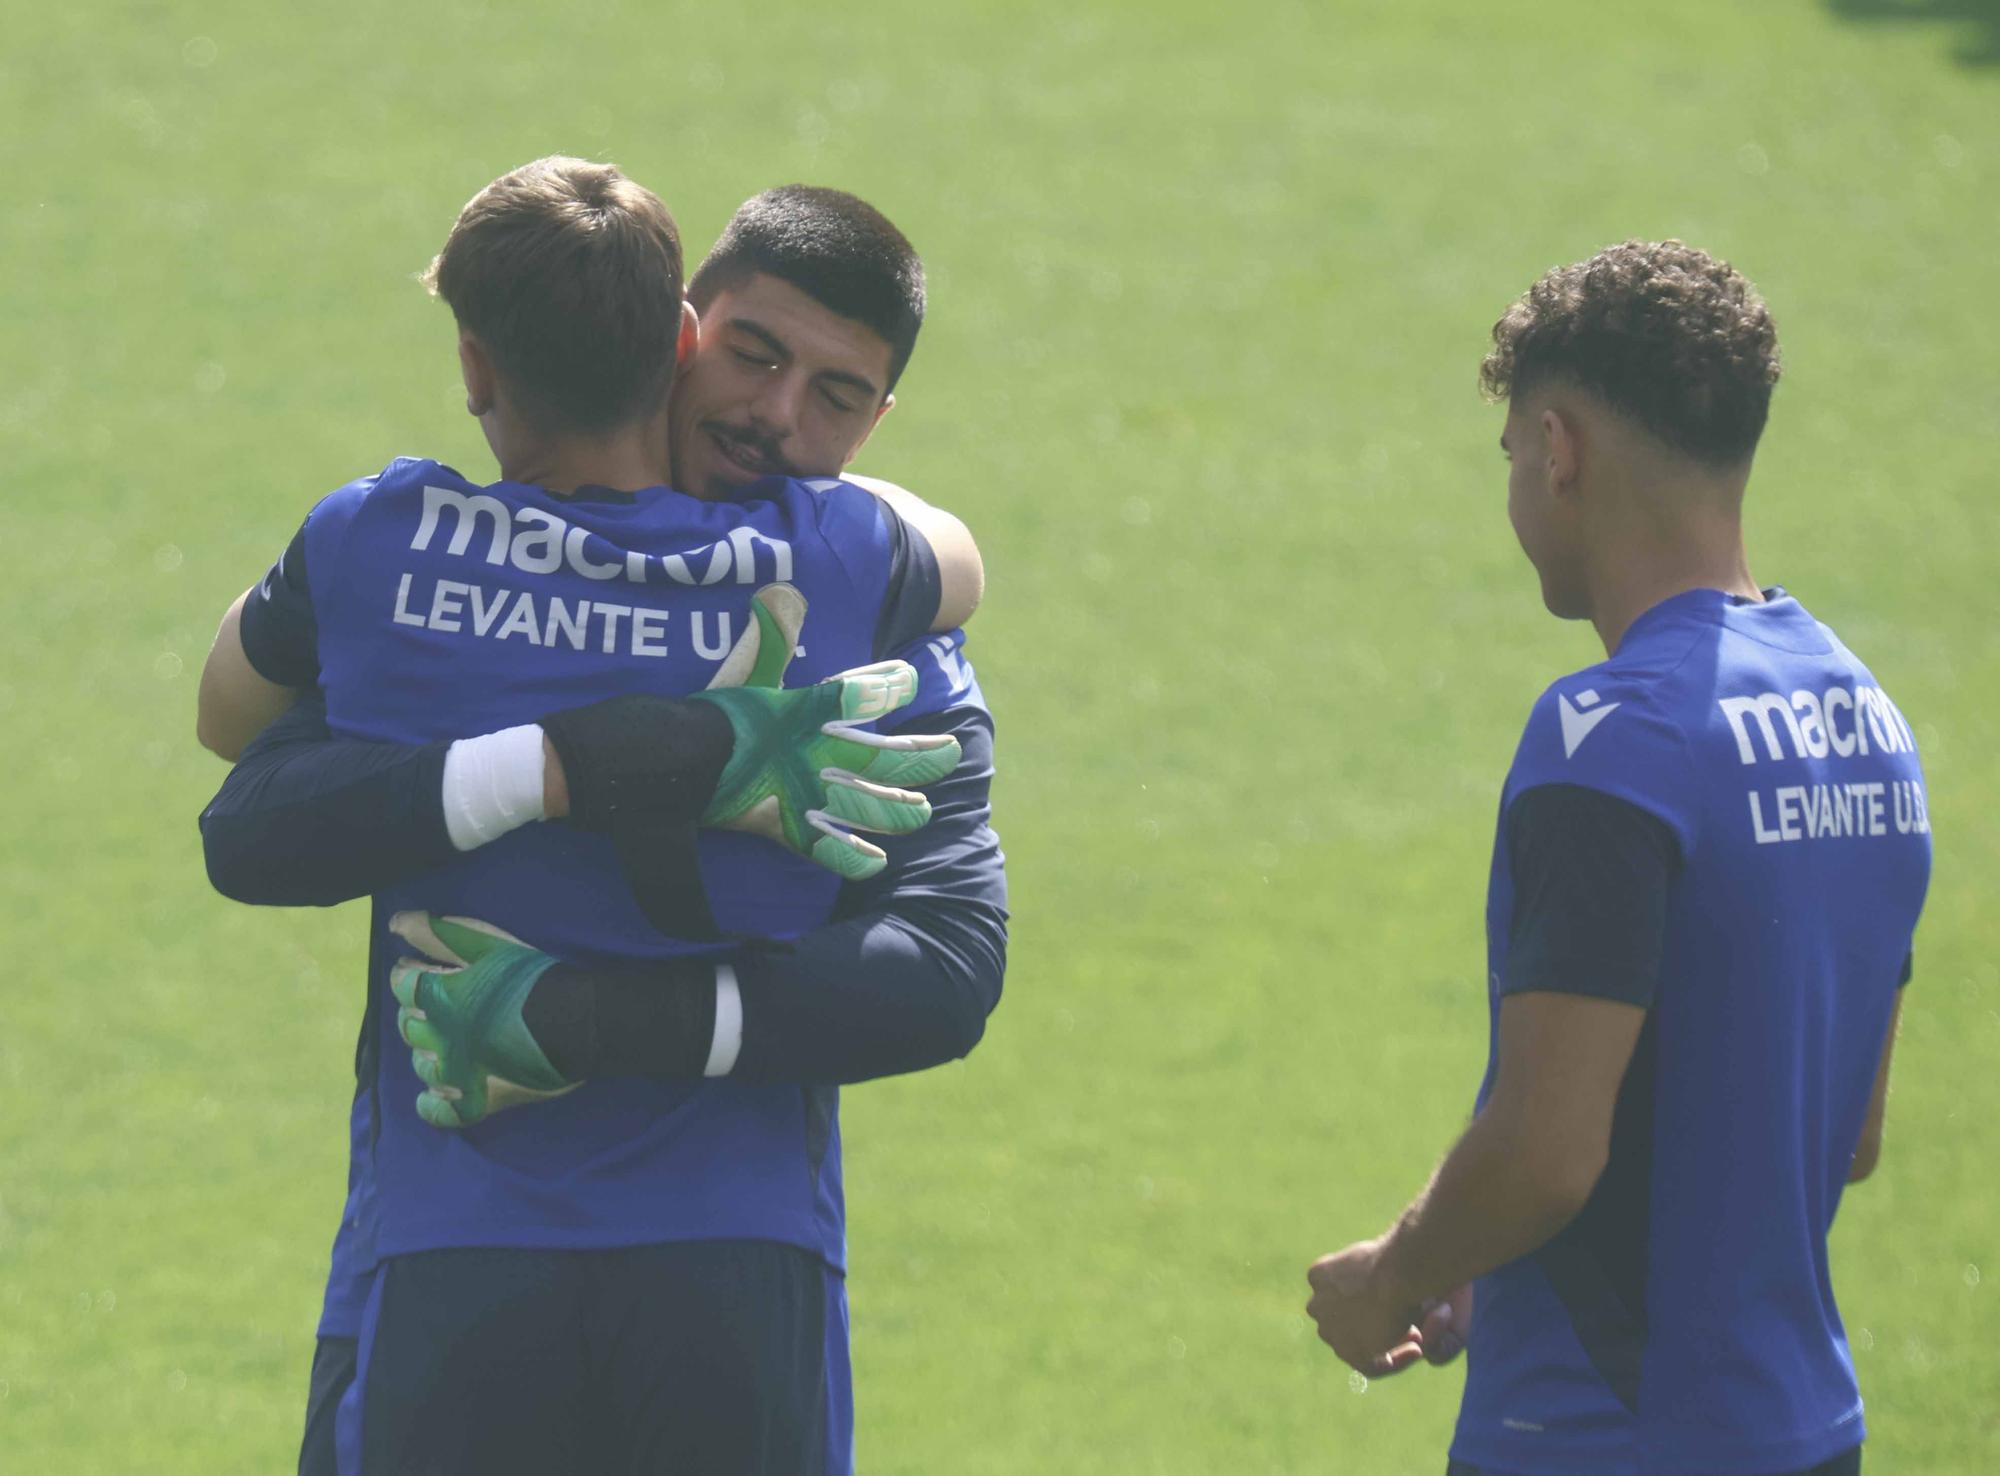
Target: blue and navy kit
{"x": 1685, "y": 1322}
{"x": 443, "y": 608}
{"x": 900, "y": 977}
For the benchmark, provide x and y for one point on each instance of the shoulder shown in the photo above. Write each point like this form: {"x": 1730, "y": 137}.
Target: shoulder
{"x": 405, "y": 473}
{"x": 1612, "y": 728}
{"x": 841, "y": 504}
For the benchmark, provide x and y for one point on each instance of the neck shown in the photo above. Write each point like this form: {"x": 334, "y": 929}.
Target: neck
{"x": 563, "y": 469}
{"x": 628, "y": 459}
{"x": 1648, "y": 563}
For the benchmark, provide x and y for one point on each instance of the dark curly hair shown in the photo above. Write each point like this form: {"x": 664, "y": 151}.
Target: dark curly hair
{"x": 1659, "y": 331}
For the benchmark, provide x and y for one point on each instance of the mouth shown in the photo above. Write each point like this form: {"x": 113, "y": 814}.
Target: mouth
{"x": 750, "y": 455}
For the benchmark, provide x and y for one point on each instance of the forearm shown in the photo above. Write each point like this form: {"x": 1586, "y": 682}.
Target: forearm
{"x": 306, "y": 819}
{"x": 907, "y": 976}
{"x": 902, "y": 980}
{"x": 1495, "y": 1198}
{"x": 878, "y": 996}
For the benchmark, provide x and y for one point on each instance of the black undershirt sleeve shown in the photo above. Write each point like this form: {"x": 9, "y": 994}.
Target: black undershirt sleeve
{"x": 1591, "y": 874}
{"x": 279, "y": 631}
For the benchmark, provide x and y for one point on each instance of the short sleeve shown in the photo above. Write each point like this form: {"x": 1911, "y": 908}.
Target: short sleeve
{"x": 889, "y": 564}
{"x": 1591, "y": 877}
{"x": 1597, "y": 731}
{"x": 280, "y": 624}
{"x": 279, "y": 630}
{"x": 910, "y": 606}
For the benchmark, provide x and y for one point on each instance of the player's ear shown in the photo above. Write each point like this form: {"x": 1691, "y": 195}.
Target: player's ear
{"x": 477, "y": 370}
{"x": 690, "y": 337}
{"x": 1561, "y": 451}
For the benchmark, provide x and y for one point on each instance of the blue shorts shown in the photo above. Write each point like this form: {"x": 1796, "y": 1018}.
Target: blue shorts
{"x": 1848, "y": 1464}
{"x": 694, "y": 1356}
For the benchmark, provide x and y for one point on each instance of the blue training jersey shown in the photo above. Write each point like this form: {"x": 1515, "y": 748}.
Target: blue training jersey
{"x": 445, "y": 608}
{"x": 1694, "y": 1329}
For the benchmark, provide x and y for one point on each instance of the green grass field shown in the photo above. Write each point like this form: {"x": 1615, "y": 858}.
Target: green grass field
{"x": 1209, "y": 288}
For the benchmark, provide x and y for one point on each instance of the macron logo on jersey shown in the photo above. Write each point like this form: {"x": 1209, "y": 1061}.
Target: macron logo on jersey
{"x": 1581, "y": 721}
{"x": 538, "y": 542}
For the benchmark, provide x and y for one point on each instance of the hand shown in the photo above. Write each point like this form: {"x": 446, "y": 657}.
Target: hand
{"x": 789, "y": 765}
{"x": 461, "y": 1018}
{"x": 1447, "y": 1326}
{"x": 1359, "y": 1316}
{"x": 800, "y": 764}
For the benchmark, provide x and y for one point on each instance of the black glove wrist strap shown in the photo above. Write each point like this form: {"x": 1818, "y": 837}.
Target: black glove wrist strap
{"x": 657, "y": 755}
{"x": 641, "y": 769}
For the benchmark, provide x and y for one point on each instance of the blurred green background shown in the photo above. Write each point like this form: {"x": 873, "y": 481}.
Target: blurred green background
{"x": 1209, "y": 288}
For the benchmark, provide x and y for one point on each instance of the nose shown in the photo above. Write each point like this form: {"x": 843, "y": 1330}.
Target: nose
{"x": 778, "y": 404}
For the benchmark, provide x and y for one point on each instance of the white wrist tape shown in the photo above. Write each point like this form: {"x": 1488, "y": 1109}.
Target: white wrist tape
{"x": 728, "y": 1038}
{"x": 493, "y": 784}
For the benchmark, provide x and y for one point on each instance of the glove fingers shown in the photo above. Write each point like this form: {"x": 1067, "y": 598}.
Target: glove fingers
{"x": 415, "y": 929}
{"x": 403, "y": 981}
{"x": 875, "y": 807}
{"x": 869, "y": 692}
{"x": 429, "y": 1069}
{"x": 418, "y": 1033}
{"x": 906, "y": 768}
{"x": 845, "y": 855}
{"x": 439, "y": 1113}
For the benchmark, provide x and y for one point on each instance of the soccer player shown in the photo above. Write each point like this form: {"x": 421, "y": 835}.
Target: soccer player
{"x": 732, "y": 1353}
{"x": 1712, "y": 850}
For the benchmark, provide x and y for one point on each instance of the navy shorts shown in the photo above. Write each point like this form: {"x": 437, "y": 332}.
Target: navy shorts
{"x": 705, "y": 1356}
{"x": 1841, "y": 1465}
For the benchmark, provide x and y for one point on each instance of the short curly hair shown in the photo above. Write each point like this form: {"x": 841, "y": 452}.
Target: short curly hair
{"x": 1659, "y": 331}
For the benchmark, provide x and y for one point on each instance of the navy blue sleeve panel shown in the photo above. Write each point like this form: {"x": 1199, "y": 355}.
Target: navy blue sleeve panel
{"x": 279, "y": 631}
{"x": 957, "y": 856}
{"x": 915, "y": 587}
{"x": 1591, "y": 875}
{"x": 906, "y": 975}
{"x": 875, "y": 996}
{"x": 307, "y": 819}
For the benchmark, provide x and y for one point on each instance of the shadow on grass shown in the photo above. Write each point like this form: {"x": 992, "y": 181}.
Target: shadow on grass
{"x": 1975, "y": 23}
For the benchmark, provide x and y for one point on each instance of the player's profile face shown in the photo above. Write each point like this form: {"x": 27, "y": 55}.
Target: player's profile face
{"x": 1533, "y": 509}
{"x": 781, "y": 385}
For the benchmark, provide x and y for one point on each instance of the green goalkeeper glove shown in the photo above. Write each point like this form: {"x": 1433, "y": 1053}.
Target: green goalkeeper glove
{"x": 461, "y": 1018}
{"x": 791, "y": 765}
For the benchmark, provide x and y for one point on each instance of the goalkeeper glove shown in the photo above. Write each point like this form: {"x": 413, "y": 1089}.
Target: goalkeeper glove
{"x": 789, "y": 765}
{"x": 462, "y": 1020}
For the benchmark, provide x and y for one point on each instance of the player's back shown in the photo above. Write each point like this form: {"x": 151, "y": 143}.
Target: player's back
{"x": 447, "y": 608}
{"x": 1688, "y": 1313}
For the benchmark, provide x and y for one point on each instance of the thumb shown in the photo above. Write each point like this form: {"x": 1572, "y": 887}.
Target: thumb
{"x": 764, "y": 650}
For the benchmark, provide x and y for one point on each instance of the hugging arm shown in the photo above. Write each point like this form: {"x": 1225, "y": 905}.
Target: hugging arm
{"x": 902, "y": 980}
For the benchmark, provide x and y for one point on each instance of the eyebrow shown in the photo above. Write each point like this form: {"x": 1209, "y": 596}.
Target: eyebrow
{"x": 776, "y": 345}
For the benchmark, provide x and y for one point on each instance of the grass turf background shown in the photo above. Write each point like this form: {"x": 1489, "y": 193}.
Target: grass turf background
{"x": 1209, "y": 286}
